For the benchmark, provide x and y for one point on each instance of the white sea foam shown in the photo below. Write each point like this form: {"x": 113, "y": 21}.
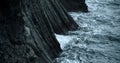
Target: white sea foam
{"x": 63, "y": 40}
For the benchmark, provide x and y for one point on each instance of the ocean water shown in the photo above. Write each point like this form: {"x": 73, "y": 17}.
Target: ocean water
{"x": 98, "y": 38}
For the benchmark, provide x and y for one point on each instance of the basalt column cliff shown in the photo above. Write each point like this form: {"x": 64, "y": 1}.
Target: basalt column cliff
{"x": 27, "y": 30}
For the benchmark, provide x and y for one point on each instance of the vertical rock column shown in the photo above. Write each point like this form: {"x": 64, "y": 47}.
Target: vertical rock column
{"x": 54, "y": 14}
{"x": 24, "y": 36}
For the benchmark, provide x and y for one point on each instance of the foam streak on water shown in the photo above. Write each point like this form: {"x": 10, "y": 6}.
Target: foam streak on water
{"x": 98, "y": 38}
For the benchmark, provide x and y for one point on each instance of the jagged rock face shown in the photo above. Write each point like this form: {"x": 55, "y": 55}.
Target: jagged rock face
{"x": 27, "y": 30}
{"x": 54, "y": 14}
{"x": 22, "y": 38}
{"x": 75, "y": 5}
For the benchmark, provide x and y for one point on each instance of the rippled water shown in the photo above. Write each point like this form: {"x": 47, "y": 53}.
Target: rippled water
{"x": 98, "y": 38}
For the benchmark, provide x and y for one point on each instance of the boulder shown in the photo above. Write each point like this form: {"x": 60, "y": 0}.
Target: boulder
{"x": 75, "y": 5}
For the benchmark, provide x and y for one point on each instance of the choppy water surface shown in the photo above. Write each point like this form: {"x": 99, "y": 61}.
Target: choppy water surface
{"x": 98, "y": 38}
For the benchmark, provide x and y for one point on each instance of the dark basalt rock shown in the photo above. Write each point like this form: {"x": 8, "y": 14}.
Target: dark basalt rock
{"x": 75, "y": 5}
{"x": 27, "y": 30}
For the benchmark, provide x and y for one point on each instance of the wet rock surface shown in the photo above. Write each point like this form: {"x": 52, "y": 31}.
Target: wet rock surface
{"x": 75, "y": 5}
